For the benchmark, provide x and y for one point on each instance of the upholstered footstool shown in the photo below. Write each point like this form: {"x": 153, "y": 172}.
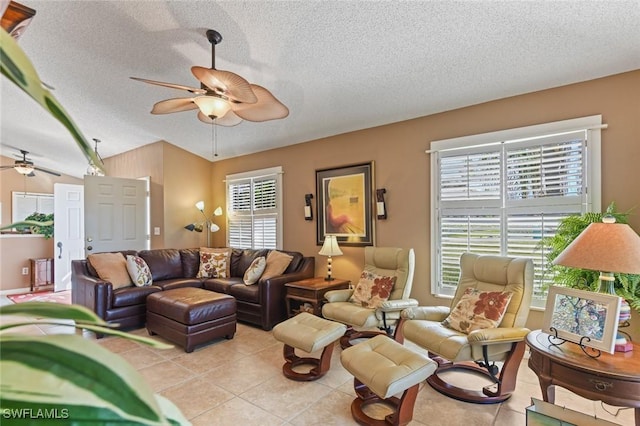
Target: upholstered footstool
{"x": 309, "y": 333}
{"x": 381, "y": 368}
{"x": 191, "y": 316}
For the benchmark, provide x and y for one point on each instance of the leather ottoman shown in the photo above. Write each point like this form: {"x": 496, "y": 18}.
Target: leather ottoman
{"x": 191, "y": 316}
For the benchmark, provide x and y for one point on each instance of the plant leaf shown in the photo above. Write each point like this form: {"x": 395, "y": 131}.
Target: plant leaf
{"x": 76, "y": 313}
{"x": 17, "y": 67}
{"x": 72, "y": 372}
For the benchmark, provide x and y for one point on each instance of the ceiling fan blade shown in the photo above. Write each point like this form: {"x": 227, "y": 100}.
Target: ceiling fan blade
{"x": 43, "y": 170}
{"x": 174, "y": 105}
{"x": 195, "y": 90}
{"x": 229, "y": 119}
{"x": 267, "y": 107}
{"x": 226, "y": 83}
{"x": 6, "y": 167}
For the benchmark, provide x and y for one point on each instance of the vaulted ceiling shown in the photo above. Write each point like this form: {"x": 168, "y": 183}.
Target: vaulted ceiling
{"x": 338, "y": 66}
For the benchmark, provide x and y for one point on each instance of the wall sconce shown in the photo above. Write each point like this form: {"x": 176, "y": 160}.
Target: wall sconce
{"x": 380, "y": 204}
{"x": 208, "y": 223}
{"x": 308, "y": 213}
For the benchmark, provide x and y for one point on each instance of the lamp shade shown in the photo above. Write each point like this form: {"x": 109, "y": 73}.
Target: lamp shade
{"x": 200, "y": 205}
{"x": 212, "y": 106}
{"x": 610, "y": 247}
{"x": 330, "y": 246}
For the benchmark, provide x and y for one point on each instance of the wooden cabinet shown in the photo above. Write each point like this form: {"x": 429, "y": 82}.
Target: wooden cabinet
{"x": 41, "y": 274}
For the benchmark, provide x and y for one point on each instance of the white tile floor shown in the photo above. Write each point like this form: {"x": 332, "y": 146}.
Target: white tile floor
{"x": 240, "y": 382}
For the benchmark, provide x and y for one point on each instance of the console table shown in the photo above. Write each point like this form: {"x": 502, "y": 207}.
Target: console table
{"x": 613, "y": 379}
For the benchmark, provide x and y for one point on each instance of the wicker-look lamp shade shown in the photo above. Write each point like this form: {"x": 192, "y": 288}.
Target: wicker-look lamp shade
{"x": 610, "y": 247}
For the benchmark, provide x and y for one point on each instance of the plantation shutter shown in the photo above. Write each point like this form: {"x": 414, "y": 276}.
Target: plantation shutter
{"x": 254, "y": 210}
{"x": 503, "y": 197}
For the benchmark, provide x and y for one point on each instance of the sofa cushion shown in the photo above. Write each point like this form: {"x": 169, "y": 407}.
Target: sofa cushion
{"x": 246, "y": 293}
{"x": 241, "y": 259}
{"x": 214, "y": 262}
{"x": 130, "y": 296}
{"x": 277, "y": 263}
{"x": 296, "y": 261}
{"x": 93, "y": 271}
{"x": 190, "y": 262}
{"x": 222, "y": 285}
{"x": 111, "y": 267}
{"x": 163, "y": 263}
{"x": 178, "y": 283}
{"x": 138, "y": 271}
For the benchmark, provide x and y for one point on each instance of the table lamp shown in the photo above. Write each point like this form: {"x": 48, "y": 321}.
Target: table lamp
{"x": 330, "y": 248}
{"x": 610, "y": 248}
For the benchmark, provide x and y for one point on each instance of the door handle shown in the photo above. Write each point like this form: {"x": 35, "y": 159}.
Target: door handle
{"x": 59, "y": 245}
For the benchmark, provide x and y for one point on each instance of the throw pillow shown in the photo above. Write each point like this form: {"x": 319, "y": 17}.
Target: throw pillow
{"x": 372, "y": 289}
{"x": 139, "y": 271}
{"x": 111, "y": 267}
{"x": 277, "y": 263}
{"x": 255, "y": 270}
{"x": 477, "y": 310}
{"x": 214, "y": 263}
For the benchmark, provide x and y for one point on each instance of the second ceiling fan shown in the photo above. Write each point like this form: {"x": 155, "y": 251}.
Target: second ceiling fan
{"x": 224, "y": 98}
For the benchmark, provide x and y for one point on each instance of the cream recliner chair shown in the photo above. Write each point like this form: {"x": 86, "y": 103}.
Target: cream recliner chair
{"x": 385, "y": 261}
{"x": 480, "y": 349}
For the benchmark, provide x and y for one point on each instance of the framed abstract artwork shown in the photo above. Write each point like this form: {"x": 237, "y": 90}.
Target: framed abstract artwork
{"x": 345, "y": 204}
{"x": 584, "y": 317}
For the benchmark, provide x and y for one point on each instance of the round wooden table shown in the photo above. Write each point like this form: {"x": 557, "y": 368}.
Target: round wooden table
{"x": 613, "y": 379}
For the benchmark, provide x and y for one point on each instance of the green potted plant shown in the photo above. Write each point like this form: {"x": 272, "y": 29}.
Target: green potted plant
{"x": 626, "y": 286}
{"x": 68, "y": 378}
{"x": 37, "y": 223}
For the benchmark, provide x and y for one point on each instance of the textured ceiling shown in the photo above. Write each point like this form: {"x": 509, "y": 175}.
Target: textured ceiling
{"x": 339, "y": 66}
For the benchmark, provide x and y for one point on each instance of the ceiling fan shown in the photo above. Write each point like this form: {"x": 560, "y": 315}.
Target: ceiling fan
{"x": 224, "y": 98}
{"x": 26, "y": 167}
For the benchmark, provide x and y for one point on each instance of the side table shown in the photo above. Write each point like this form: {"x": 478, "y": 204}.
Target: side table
{"x": 310, "y": 291}
{"x": 613, "y": 379}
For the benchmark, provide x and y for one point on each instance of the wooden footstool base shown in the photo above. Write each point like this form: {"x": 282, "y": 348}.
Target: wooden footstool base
{"x": 381, "y": 368}
{"x": 191, "y": 316}
{"x": 309, "y": 333}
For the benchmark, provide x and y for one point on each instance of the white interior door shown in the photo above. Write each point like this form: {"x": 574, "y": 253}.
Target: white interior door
{"x": 68, "y": 231}
{"x": 115, "y": 214}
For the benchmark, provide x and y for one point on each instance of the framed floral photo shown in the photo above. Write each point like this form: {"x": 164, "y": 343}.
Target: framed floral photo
{"x": 345, "y": 204}
{"x": 584, "y": 317}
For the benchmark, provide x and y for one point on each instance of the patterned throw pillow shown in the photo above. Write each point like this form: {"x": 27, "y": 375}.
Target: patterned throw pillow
{"x": 477, "y": 310}
{"x": 372, "y": 289}
{"x": 255, "y": 270}
{"x": 214, "y": 263}
{"x": 139, "y": 271}
{"x": 111, "y": 267}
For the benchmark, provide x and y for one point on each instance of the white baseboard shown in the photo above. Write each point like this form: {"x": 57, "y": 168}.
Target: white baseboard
{"x": 15, "y": 291}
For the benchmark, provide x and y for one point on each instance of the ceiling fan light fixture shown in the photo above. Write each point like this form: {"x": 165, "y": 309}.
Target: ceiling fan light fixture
{"x": 24, "y": 169}
{"x": 212, "y": 106}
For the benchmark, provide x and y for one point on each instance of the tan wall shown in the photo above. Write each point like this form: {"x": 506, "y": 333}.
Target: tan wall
{"x": 187, "y": 180}
{"x": 402, "y": 167}
{"x": 178, "y": 180}
{"x": 15, "y": 251}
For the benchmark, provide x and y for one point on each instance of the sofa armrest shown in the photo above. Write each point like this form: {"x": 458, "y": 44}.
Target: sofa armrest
{"x": 342, "y": 295}
{"x": 88, "y": 290}
{"x": 273, "y": 292}
{"x": 430, "y": 313}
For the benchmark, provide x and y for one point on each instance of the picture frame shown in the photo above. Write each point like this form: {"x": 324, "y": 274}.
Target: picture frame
{"x": 344, "y": 205}
{"x": 584, "y": 317}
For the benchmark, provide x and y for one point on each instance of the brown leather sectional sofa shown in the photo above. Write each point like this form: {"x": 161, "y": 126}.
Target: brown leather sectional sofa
{"x": 261, "y": 304}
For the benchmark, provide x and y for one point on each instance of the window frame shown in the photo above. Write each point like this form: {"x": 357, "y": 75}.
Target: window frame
{"x": 590, "y": 200}
{"x": 253, "y": 176}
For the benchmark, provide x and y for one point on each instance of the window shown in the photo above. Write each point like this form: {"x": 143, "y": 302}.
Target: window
{"x": 501, "y": 193}
{"x": 255, "y": 209}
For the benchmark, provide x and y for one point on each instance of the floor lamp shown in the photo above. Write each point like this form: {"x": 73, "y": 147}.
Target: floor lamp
{"x": 208, "y": 223}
